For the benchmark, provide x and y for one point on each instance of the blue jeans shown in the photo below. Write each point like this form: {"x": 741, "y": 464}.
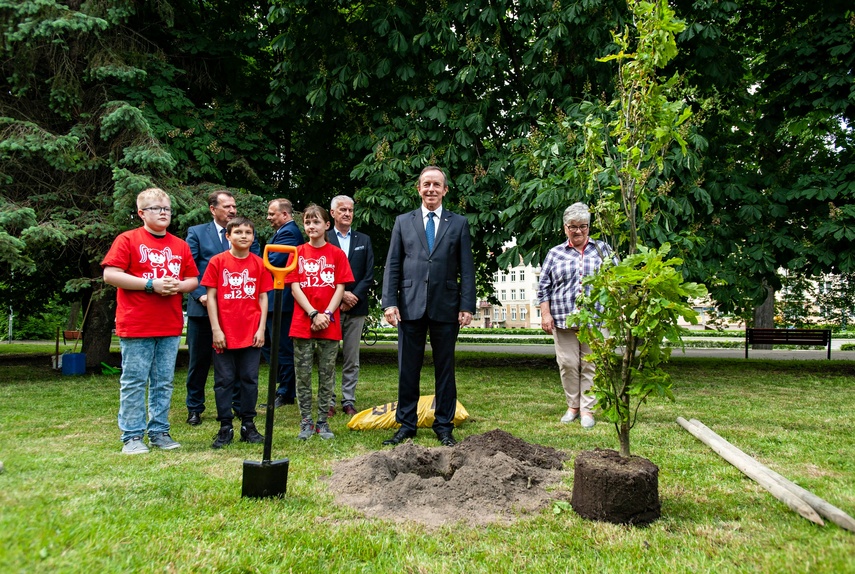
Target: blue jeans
{"x": 146, "y": 361}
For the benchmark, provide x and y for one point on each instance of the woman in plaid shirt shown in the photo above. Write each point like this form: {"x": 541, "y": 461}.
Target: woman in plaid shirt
{"x": 560, "y": 284}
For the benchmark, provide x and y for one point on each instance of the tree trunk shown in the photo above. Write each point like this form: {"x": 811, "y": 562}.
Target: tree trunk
{"x": 98, "y": 331}
{"x": 623, "y": 437}
{"x": 99, "y": 322}
{"x": 72, "y": 316}
{"x": 764, "y": 315}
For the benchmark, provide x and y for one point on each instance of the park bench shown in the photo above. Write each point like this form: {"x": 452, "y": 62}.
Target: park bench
{"x": 819, "y": 337}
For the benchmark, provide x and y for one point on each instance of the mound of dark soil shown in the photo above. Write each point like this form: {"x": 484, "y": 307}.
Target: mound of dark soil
{"x": 492, "y": 477}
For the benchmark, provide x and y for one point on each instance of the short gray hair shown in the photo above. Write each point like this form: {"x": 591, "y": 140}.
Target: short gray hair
{"x": 577, "y": 212}
{"x": 339, "y": 198}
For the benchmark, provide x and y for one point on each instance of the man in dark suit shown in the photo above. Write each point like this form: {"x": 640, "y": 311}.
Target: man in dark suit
{"x": 280, "y": 215}
{"x": 354, "y": 303}
{"x": 428, "y": 287}
{"x": 205, "y": 240}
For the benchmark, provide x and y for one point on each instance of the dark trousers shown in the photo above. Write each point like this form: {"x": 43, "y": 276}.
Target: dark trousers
{"x": 200, "y": 342}
{"x": 286, "y": 379}
{"x": 236, "y": 368}
{"x": 412, "y": 337}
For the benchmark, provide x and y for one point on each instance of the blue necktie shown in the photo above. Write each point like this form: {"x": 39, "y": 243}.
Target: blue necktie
{"x": 223, "y": 239}
{"x": 430, "y": 230}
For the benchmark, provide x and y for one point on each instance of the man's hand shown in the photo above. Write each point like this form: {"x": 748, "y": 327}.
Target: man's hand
{"x": 392, "y": 316}
{"x": 203, "y": 300}
{"x": 547, "y": 323}
{"x": 464, "y": 318}
{"x": 349, "y": 300}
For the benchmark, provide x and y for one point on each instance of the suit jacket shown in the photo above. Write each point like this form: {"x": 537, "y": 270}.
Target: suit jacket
{"x": 361, "y": 259}
{"x": 204, "y": 242}
{"x": 439, "y": 284}
{"x": 288, "y": 234}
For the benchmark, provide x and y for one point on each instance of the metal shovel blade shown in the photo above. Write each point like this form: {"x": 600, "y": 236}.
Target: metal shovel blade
{"x": 265, "y": 479}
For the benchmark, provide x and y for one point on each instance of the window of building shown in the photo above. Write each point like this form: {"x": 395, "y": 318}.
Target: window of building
{"x": 513, "y": 313}
{"x": 503, "y": 295}
{"x": 523, "y": 313}
{"x": 513, "y": 294}
{"x": 522, "y": 294}
{"x": 538, "y": 312}
{"x": 504, "y": 314}
{"x": 522, "y": 275}
{"x": 495, "y": 313}
{"x": 513, "y": 275}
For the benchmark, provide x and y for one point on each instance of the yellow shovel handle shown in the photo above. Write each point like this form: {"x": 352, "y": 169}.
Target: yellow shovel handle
{"x": 279, "y": 273}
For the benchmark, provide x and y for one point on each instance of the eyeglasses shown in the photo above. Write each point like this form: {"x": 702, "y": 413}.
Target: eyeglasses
{"x": 583, "y": 227}
{"x": 158, "y": 209}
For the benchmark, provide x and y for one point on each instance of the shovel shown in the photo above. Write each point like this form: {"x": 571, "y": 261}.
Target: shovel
{"x": 269, "y": 478}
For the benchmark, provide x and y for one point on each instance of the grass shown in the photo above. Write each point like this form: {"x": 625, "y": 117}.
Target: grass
{"x": 72, "y": 503}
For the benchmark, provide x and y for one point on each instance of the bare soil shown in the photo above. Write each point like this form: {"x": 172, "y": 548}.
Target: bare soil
{"x": 488, "y": 478}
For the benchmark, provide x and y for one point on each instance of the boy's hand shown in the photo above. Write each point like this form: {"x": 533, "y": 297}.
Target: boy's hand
{"x": 168, "y": 286}
{"x": 258, "y": 338}
{"x": 219, "y": 339}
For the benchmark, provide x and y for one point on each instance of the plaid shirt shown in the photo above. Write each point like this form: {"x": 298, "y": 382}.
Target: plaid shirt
{"x": 561, "y": 277}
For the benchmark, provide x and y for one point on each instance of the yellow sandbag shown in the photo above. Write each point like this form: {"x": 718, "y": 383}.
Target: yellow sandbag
{"x": 383, "y": 416}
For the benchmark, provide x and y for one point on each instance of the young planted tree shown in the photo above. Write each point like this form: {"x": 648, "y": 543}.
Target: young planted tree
{"x": 635, "y": 304}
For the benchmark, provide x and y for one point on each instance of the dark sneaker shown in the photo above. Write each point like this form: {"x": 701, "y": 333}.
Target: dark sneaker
{"x": 331, "y": 413}
{"x": 162, "y": 441}
{"x": 307, "y": 429}
{"x": 250, "y": 434}
{"x": 349, "y": 410}
{"x": 224, "y": 437}
{"x": 134, "y": 445}
{"x": 323, "y": 430}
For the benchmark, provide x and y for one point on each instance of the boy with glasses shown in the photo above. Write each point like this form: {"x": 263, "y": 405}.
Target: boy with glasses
{"x": 151, "y": 269}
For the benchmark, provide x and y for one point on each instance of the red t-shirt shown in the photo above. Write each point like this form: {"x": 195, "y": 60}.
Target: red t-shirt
{"x": 141, "y": 254}
{"x": 319, "y": 270}
{"x": 238, "y": 283}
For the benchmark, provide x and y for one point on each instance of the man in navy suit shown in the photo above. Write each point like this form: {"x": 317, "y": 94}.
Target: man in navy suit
{"x": 280, "y": 215}
{"x": 428, "y": 287}
{"x": 205, "y": 240}
{"x": 354, "y": 303}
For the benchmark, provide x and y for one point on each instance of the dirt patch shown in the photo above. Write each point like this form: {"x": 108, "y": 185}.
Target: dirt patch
{"x": 492, "y": 477}
{"x": 612, "y": 488}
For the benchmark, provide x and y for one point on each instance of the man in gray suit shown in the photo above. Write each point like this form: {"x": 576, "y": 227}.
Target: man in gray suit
{"x": 354, "y": 303}
{"x": 205, "y": 240}
{"x": 428, "y": 287}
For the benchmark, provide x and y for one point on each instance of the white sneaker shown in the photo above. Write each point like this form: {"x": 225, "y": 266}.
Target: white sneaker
{"x": 587, "y": 421}
{"x": 570, "y": 416}
{"x": 134, "y": 445}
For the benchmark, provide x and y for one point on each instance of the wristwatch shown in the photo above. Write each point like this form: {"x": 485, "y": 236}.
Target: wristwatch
{"x": 149, "y": 286}
{"x": 330, "y": 315}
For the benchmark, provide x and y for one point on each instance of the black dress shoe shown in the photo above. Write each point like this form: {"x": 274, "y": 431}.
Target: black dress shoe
{"x": 399, "y": 437}
{"x": 194, "y": 419}
{"x": 446, "y": 439}
{"x": 281, "y": 401}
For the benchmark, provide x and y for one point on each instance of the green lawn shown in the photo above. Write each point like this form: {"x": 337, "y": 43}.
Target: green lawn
{"x": 72, "y": 503}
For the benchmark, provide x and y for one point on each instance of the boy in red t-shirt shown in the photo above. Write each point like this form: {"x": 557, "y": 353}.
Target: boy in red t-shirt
{"x": 151, "y": 269}
{"x": 318, "y": 286}
{"x": 237, "y": 285}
